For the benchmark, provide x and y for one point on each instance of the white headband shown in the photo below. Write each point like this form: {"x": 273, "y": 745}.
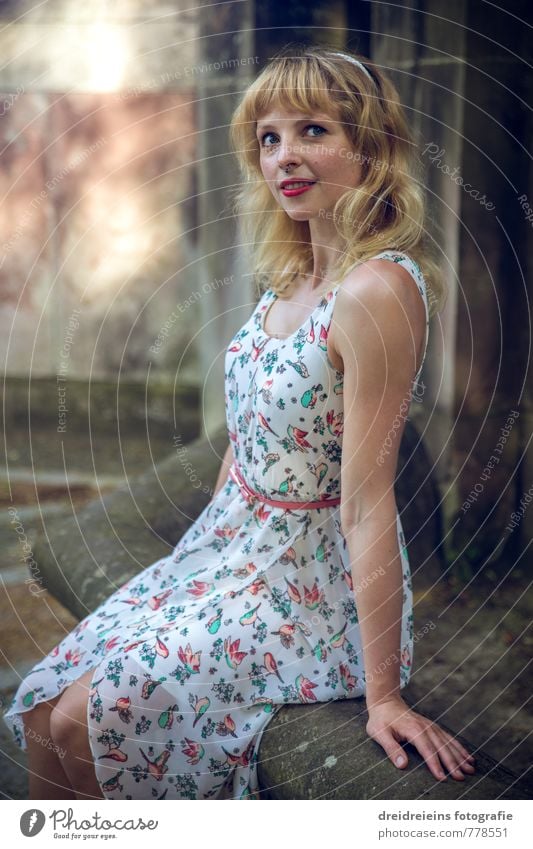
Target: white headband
{"x": 355, "y": 61}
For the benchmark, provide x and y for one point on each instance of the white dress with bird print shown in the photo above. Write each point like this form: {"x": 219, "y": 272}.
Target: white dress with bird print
{"x": 253, "y": 609}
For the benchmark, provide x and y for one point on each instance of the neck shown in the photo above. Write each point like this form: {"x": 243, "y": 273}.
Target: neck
{"x": 326, "y": 251}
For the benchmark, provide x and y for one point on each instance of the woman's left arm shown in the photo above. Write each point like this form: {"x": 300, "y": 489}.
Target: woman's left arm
{"x": 378, "y": 332}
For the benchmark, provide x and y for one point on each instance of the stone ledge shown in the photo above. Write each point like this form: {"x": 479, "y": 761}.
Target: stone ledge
{"x": 101, "y": 404}
{"x": 322, "y": 751}
{"x": 83, "y": 559}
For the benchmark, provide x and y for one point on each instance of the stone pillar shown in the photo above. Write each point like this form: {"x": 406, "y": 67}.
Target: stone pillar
{"x": 462, "y": 78}
{"x": 226, "y": 46}
{"x": 524, "y": 326}
{"x": 492, "y": 345}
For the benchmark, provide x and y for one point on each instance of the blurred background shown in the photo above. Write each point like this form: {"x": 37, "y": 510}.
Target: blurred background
{"x": 123, "y": 277}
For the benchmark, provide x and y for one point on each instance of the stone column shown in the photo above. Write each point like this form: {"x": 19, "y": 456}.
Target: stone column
{"x": 226, "y": 50}
{"x": 462, "y": 78}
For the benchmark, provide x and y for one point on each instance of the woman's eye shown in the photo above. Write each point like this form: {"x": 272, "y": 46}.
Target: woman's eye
{"x": 264, "y": 136}
{"x": 309, "y": 127}
{"x": 316, "y": 127}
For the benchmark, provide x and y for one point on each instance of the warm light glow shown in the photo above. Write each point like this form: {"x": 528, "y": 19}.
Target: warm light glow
{"x": 107, "y": 56}
{"x": 125, "y": 241}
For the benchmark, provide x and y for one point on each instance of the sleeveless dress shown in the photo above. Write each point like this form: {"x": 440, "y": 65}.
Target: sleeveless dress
{"x": 253, "y": 609}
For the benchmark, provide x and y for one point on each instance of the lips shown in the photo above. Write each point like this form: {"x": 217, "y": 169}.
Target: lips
{"x": 295, "y": 183}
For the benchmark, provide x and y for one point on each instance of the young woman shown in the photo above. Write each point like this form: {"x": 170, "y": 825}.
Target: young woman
{"x": 293, "y": 585}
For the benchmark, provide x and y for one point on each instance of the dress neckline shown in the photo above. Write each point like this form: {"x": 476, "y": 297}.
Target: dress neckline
{"x": 333, "y": 291}
{"x": 323, "y": 299}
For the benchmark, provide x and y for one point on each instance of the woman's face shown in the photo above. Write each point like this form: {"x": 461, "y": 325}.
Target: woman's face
{"x": 317, "y": 149}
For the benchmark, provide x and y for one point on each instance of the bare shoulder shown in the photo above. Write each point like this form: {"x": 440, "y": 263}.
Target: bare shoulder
{"x": 379, "y": 307}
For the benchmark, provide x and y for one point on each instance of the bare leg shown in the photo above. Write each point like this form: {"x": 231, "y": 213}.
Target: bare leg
{"x": 68, "y": 725}
{"x": 47, "y": 778}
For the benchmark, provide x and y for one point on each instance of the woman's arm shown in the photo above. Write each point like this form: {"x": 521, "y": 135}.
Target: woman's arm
{"x": 379, "y": 329}
{"x": 379, "y": 335}
{"x": 378, "y": 596}
{"x": 227, "y": 460}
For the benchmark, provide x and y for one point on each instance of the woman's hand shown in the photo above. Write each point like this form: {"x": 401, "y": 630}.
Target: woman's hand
{"x": 393, "y": 721}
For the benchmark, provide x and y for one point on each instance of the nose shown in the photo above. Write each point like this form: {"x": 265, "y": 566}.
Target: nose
{"x": 288, "y": 154}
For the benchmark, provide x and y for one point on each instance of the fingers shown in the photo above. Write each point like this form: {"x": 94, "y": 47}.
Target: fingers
{"x": 393, "y": 750}
{"x": 440, "y": 750}
{"x": 428, "y": 750}
{"x": 454, "y": 756}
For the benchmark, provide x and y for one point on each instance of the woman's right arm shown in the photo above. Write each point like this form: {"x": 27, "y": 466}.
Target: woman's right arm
{"x": 227, "y": 460}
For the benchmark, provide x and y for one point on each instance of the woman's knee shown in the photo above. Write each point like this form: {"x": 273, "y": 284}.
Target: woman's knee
{"x": 68, "y": 719}
{"x": 38, "y": 718}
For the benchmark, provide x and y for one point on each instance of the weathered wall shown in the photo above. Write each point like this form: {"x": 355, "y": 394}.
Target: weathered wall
{"x": 98, "y": 214}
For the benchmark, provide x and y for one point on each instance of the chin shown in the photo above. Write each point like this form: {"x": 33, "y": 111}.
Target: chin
{"x": 301, "y": 214}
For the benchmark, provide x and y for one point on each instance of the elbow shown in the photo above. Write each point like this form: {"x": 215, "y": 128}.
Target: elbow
{"x": 351, "y": 515}
{"x": 377, "y": 509}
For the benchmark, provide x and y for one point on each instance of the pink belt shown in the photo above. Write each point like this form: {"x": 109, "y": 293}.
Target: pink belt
{"x": 250, "y": 495}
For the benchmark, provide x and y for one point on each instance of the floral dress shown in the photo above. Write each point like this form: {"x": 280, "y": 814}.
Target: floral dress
{"x": 253, "y": 609}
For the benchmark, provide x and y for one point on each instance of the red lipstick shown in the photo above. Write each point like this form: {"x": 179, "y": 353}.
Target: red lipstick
{"x": 293, "y": 187}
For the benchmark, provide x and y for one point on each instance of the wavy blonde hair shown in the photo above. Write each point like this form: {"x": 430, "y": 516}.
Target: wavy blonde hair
{"x": 389, "y": 202}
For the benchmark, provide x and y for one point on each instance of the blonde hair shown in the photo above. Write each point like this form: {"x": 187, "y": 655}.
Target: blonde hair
{"x": 388, "y": 203}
